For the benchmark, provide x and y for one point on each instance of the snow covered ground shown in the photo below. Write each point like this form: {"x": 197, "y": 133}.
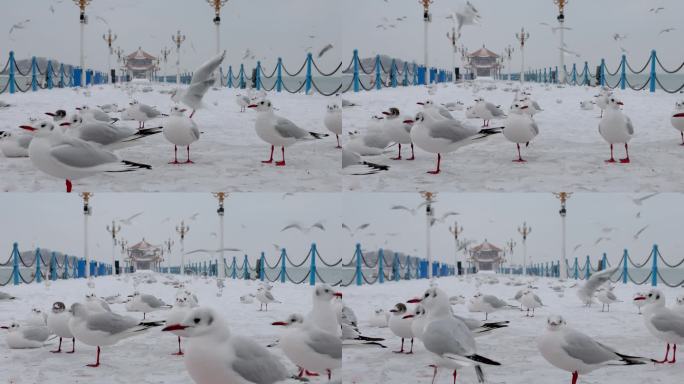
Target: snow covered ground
{"x": 147, "y": 359}
{"x": 568, "y": 154}
{"x": 227, "y": 156}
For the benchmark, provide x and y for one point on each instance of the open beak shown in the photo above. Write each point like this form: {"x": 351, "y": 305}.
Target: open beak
{"x": 27, "y": 127}
{"x": 639, "y": 298}
{"x": 337, "y": 294}
{"x": 50, "y": 114}
{"x": 407, "y": 317}
{"x": 64, "y": 124}
{"x": 414, "y": 300}
{"x": 420, "y": 103}
{"x": 281, "y": 323}
{"x": 408, "y": 121}
{"x": 252, "y": 106}
{"x": 174, "y": 327}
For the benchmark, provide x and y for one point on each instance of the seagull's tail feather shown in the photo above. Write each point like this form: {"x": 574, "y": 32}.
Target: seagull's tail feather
{"x": 482, "y": 360}
{"x": 129, "y": 166}
{"x": 317, "y": 135}
{"x": 483, "y": 133}
{"x": 496, "y": 324}
{"x": 633, "y": 360}
{"x": 144, "y": 326}
{"x": 368, "y": 338}
{"x": 480, "y": 374}
{"x": 142, "y": 133}
{"x": 374, "y": 168}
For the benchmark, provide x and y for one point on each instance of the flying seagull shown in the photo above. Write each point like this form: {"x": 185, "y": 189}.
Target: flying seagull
{"x": 666, "y": 30}
{"x": 129, "y": 220}
{"x": 354, "y": 231}
{"x": 636, "y": 235}
{"x": 640, "y": 200}
{"x": 20, "y": 25}
{"x": 656, "y": 10}
{"x": 201, "y": 250}
{"x": 324, "y": 50}
{"x": 303, "y": 228}
{"x": 443, "y": 217}
{"x": 412, "y": 211}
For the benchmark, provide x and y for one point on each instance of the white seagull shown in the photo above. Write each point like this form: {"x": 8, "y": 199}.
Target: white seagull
{"x": 677, "y": 119}
{"x": 202, "y": 80}
{"x": 487, "y": 111}
{"x": 182, "y": 131}
{"x": 25, "y": 337}
{"x": 397, "y": 129}
{"x": 616, "y": 128}
{"x": 520, "y": 128}
{"x": 58, "y": 324}
{"x": 663, "y": 323}
{"x": 333, "y": 121}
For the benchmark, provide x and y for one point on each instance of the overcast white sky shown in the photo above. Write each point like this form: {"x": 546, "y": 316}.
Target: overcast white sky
{"x": 269, "y": 28}
{"x": 593, "y": 23}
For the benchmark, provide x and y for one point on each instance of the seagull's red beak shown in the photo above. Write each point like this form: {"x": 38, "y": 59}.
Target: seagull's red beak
{"x": 64, "y": 124}
{"x": 337, "y": 294}
{"x": 392, "y": 310}
{"x": 27, "y": 127}
{"x": 183, "y": 110}
{"x": 639, "y": 298}
{"x": 407, "y": 317}
{"x": 174, "y": 327}
{"x": 78, "y": 108}
{"x": 620, "y": 103}
{"x": 50, "y": 114}
{"x": 385, "y": 113}
{"x": 524, "y": 107}
{"x": 4, "y": 327}
{"x": 252, "y": 106}
{"x": 408, "y": 121}
{"x": 281, "y": 323}
{"x": 420, "y": 103}
{"x": 414, "y": 300}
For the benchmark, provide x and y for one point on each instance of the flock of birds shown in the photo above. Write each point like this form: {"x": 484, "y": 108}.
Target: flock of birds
{"x": 436, "y": 130}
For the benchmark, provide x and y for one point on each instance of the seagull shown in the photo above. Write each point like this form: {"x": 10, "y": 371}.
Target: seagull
{"x": 576, "y": 247}
{"x": 372, "y": 143}
{"x": 323, "y": 314}
{"x": 379, "y": 319}
{"x": 663, "y": 323}
{"x": 397, "y": 130}
{"x": 587, "y": 290}
{"x": 412, "y": 211}
{"x": 636, "y": 235}
{"x": 656, "y": 10}
{"x": 677, "y": 119}
{"x": 110, "y": 136}
{"x": 616, "y": 128}
{"x": 443, "y": 136}
{"x": 356, "y": 230}
{"x": 443, "y": 217}
{"x": 58, "y": 324}
{"x": 129, "y": 220}
{"x": 214, "y": 355}
{"x": 467, "y": 15}
{"x": 180, "y": 311}
{"x": 333, "y": 121}
{"x": 265, "y": 296}
{"x": 639, "y": 300}
{"x": 242, "y": 101}
{"x": 6, "y": 296}
{"x": 354, "y": 160}
{"x": 15, "y": 144}
{"x": 324, "y": 50}
{"x": 180, "y": 131}
{"x": 487, "y": 111}
{"x": 145, "y": 303}
{"x": 619, "y": 37}
{"x": 279, "y": 131}
{"x": 400, "y": 325}
{"x": 531, "y": 301}
{"x": 213, "y": 251}
{"x": 71, "y": 158}
{"x": 193, "y": 216}
{"x": 200, "y": 83}
{"x": 19, "y": 25}
{"x": 574, "y": 351}
{"x": 25, "y": 337}
{"x": 303, "y": 228}
{"x": 606, "y": 297}
{"x": 436, "y": 110}
{"x": 100, "y": 329}
{"x": 486, "y": 303}
{"x": 310, "y": 348}
{"x": 520, "y": 127}
{"x": 639, "y": 200}
{"x": 666, "y": 30}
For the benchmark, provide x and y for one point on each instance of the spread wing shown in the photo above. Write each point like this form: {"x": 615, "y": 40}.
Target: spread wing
{"x": 205, "y": 70}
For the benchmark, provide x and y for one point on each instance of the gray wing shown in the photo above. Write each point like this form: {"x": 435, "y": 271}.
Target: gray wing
{"x": 103, "y": 133}
{"x": 255, "y": 363}
{"x": 597, "y": 280}
{"x": 537, "y": 299}
{"x": 493, "y": 301}
{"x": 535, "y": 128}
{"x": 493, "y": 109}
{"x": 269, "y": 295}
{"x": 148, "y": 111}
{"x": 448, "y": 336}
{"x": 152, "y": 301}
{"x": 110, "y": 322}
{"x": 199, "y": 89}
{"x": 195, "y": 131}
{"x": 350, "y": 158}
{"x": 611, "y": 295}
{"x": 36, "y": 333}
{"x": 349, "y": 316}
{"x": 205, "y": 70}
{"x": 82, "y": 154}
{"x": 581, "y": 347}
{"x": 451, "y": 130}
{"x": 325, "y": 343}
{"x": 295, "y": 226}
{"x": 630, "y": 127}
{"x": 669, "y": 323}
{"x": 445, "y": 113}
{"x": 286, "y": 128}
{"x": 536, "y": 105}
{"x": 375, "y": 140}
{"x": 518, "y": 295}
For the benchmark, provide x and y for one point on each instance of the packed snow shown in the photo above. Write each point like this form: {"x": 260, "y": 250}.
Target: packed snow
{"x": 568, "y": 153}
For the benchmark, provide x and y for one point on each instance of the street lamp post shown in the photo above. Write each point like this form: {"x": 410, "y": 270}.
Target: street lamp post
{"x": 524, "y": 232}
{"x": 522, "y": 38}
{"x": 182, "y": 230}
{"x": 118, "y": 52}
{"x": 109, "y": 39}
{"x": 563, "y": 197}
{"x": 561, "y": 19}
{"x": 178, "y": 39}
{"x": 87, "y": 211}
{"x": 464, "y": 57}
{"x": 82, "y": 4}
{"x": 167, "y": 246}
{"x": 221, "y": 196}
{"x": 114, "y": 230}
{"x": 165, "y": 56}
{"x": 429, "y": 215}
{"x": 124, "y": 247}
{"x": 217, "y": 4}
{"x": 510, "y": 245}
{"x": 456, "y": 231}
{"x": 453, "y": 38}
{"x": 427, "y": 18}
{"x": 508, "y": 53}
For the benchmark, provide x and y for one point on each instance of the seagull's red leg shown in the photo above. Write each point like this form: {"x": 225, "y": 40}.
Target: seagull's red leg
{"x": 329, "y": 374}
{"x": 68, "y": 186}
{"x": 519, "y": 159}
{"x": 189, "y": 161}
{"x": 192, "y": 114}
{"x": 682, "y": 133}
{"x": 411, "y": 351}
{"x": 612, "y": 159}
{"x": 575, "y": 375}
{"x": 97, "y": 363}
{"x": 309, "y": 373}
{"x": 281, "y": 163}
{"x": 674, "y": 355}
{"x": 338, "y": 141}
{"x": 73, "y": 345}
{"x": 402, "y": 347}
{"x": 399, "y": 156}
{"x": 413, "y": 156}
{"x": 180, "y": 351}
{"x": 434, "y": 374}
{"x": 59, "y": 349}
{"x": 439, "y": 160}
{"x": 269, "y": 161}
{"x": 175, "y": 155}
{"x": 626, "y": 159}
{"x": 454, "y": 376}
{"x": 667, "y": 353}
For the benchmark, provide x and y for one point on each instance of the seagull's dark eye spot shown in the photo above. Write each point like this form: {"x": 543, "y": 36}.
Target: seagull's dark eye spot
{"x": 211, "y": 320}
{"x": 657, "y": 297}
{"x": 427, "y": 294}
{"x": 196, "y": 320}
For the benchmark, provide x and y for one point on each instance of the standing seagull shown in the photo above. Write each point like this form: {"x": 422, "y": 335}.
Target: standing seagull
{"x": 58, "y": 323}
{"x": 663, "y": 323}
{"x": 486, "y": 303}
{"x": 180, "y": 130}
{"x": 265, "y": 296}
{"x": 530, "y": 301}
{"x": 520, "y": 128}
{"x": 397, "y": 130}
{"x": 573, "y": 351}
{"x": 26, "y": 337}
{"x": 443, "y": 136}
{"x": 140, "y": 112}
{"x": 333, "y": 121}
{"x": 242, "y": 101}
{"x": 213, "y": 355}
{"x": 202, "y": 80}
{"x": 616, "y": 128}
{"x": 487, "y": 111}
{"x": 586, "y": 291}
{"x": 145, "y": 303}
{"x": 677, "y": 119}
{"x": 277, "y": 130}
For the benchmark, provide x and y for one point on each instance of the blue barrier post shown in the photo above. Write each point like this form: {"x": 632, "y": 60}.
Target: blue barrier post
{"x": 545, "y": 75}
{"x": 574, "y": 74}
{"x": 34, "y": 79}
{"x": 405, "y": 82}
{"x": 15, "y": 263}
{"x": 586, "y": 73}
{"x": 576, "y": 269}
{"x": 624, "y": 267}
{"x": 53, "y": 267}
{"x": 49, "y": 71}
{"x": 359, "y": 272}
{"x": 393, "y": 73}
{"x": 415, "y": 74}
{"x": 11, "y": 73}
{"x": 279, "y": 78}
{"x": 556, "y": 79}
{"x": 587, "y": 268}
{"x": 312, "y": 276}
{"x": 381, "y": 266}
{"x": 61, "y": 75}
{"x": 395, "y": 267}
{"x": 654, "y": 268}
{"x": 408, "y": 268}
{"x": 602, "y": 70}
{"x": 309, "y": 60}
{"x": 262, "y": 264}
{"x": 233, "y": 273}
{"x": 76, "y": 265}
{"x": 604, "y": 262}
{"x": 38, "y": 257}
{"x": 65, "y": 275}
{"x": 623, "y": 72}
{"x": 257, "y": 81}
{"x": 242, "y": 76}
{"x": 245, "y": 267}
{"x": 652, "y": 78}
{"x": 229, "y": 83}
{"x": 283, "y": 270}
{"x": 355, "y": 79}
{"x": 378, "y": 77}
